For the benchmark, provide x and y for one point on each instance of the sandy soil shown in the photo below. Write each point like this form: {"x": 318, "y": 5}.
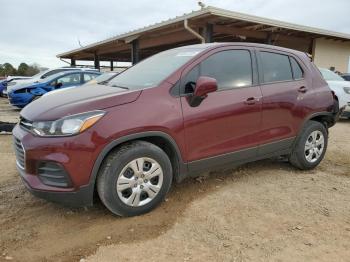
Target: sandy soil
{"x": 8, "y": 113}
{"x": 264, "y": 211}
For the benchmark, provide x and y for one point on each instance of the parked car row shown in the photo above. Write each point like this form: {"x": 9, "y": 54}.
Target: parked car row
{"x": 21, "y": 92}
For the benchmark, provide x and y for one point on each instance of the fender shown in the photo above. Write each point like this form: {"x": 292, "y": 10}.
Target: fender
{"x": 182, "y": 166}
{"x": 38, "y": 91}
{"x": 318, "y": 114}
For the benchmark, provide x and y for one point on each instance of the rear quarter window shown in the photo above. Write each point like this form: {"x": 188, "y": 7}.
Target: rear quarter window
{"x": 297, "y": 70}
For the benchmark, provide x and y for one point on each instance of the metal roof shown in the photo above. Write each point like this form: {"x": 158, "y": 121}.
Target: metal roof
{"x": 220, "y": 13}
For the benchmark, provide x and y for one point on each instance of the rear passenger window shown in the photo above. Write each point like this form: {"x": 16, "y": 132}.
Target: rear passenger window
{"x": 231, "y": 69}
{"x": 297, "y": 71}
{"x": 276, "y": 67}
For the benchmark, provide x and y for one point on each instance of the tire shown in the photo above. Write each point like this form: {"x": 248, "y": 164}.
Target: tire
{"x": 123, "y": 187}
{"x": 305, "y": 146}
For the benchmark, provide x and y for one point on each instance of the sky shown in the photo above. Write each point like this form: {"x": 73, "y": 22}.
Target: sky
{"x": 36, "y": 31}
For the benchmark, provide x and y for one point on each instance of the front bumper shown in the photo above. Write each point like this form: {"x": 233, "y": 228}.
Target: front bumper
{"x": 78, "y": 198}
{"x": 76, "y": 160}
{"x": 20, "y": 100}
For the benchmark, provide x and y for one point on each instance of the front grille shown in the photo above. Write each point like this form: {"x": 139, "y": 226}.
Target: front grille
{"x": 20, "y": 153}
{"x": 25, "y": 124}
{"x": 53, "y": 174}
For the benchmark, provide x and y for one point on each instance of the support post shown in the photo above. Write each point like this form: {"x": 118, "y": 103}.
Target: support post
{"x": 268, "y": 39}
{"x": 209, "y": 31}
{"x": 97, "y": 61}
{"x": 112, "y": 65}
{"x": 135, "y": 51}
{"x": 72, "y": 62}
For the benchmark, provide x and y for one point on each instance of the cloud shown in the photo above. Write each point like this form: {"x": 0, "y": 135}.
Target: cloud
{"x": 36, "y": 31}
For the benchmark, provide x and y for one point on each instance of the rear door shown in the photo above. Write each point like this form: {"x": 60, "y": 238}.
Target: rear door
{"x": 284, "y": 85}
{"x": 228, "y": 120}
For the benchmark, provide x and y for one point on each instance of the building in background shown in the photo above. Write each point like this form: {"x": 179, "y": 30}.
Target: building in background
{"x": 210, "y": 24}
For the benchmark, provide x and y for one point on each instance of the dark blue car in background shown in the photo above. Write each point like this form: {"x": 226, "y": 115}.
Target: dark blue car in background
{"x": 2, "y": 86}
{"x": 23, "y": 94}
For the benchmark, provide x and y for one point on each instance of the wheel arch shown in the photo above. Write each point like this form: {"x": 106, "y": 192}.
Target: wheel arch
{"x": 158, "y": 138}
{"x": 325, "y": 118}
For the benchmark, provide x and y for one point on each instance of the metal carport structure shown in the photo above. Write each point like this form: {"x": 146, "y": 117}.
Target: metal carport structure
{"x": 210, "y": 24}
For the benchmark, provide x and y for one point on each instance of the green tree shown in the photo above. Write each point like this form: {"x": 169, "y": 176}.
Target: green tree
{"x": 23, "y": 69}
{"x": 8, "y": 69}
{"x": 33, "y": 69}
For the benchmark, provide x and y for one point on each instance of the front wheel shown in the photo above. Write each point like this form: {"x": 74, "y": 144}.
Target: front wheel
{"x": 134, "y": 179}
{"x": 310, "y": 146}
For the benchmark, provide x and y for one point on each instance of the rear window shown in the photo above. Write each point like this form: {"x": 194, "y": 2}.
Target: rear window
{"x": 275, "y": 67}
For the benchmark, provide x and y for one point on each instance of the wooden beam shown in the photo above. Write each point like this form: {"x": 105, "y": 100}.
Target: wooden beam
{"x": 238, "y": 31}
{"x": 180, "y": 36}
{"x": 255, "y": 34}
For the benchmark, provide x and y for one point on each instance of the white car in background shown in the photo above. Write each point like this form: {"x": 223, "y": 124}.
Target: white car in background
{"x": 41, "y": 75}
{"x": 340, "y": 87}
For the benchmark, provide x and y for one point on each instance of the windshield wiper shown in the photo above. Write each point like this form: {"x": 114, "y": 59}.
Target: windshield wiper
{"x": 123, "y": 87}
{"x": 103, "y": 82}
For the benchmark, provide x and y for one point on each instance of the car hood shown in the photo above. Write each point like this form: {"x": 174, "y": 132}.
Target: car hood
{"x": 22, "y": 84}
{"x": 77, "y": 100}
{"x": 339, "y": 83}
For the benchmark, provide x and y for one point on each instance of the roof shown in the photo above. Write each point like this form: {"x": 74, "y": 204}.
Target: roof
{"x": 207, "y": 12}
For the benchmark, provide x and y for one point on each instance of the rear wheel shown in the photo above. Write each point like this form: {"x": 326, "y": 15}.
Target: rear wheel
{"x": 134, "y": 179}
{"x": 310, "y": 146}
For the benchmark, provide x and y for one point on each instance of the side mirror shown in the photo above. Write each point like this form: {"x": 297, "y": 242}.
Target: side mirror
{"x": 58, "y": 85}
{"x": 204, "y": 86}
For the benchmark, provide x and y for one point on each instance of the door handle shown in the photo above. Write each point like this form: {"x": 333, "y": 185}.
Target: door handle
{"x": 251, "y": 100}
{"x": 302, "y": 89}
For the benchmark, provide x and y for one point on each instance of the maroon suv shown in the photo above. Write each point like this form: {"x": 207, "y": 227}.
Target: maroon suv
{"x": 174, "y": 115}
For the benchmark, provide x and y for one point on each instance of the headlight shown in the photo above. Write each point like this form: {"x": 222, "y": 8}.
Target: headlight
{"x": 346, "y": 90}
{"x": 67, "y": 126}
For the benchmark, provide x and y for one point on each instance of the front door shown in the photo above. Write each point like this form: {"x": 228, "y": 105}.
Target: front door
{"x": 229, "y": 119}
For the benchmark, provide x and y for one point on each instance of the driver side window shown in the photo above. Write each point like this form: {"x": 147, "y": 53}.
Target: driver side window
{"x": 230, "y": 68}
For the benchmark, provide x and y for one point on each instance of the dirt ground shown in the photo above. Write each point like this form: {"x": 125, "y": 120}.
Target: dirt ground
{"x": 264, "y": 211}
{"x": 8, "y": 113}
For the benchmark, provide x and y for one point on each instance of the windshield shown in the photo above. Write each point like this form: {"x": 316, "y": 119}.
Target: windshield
{"x": 328, "y": 75}
{"x": 150, "y": 72}
{"x": 51, "y": 77}
{"x": 38, "y": 75}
